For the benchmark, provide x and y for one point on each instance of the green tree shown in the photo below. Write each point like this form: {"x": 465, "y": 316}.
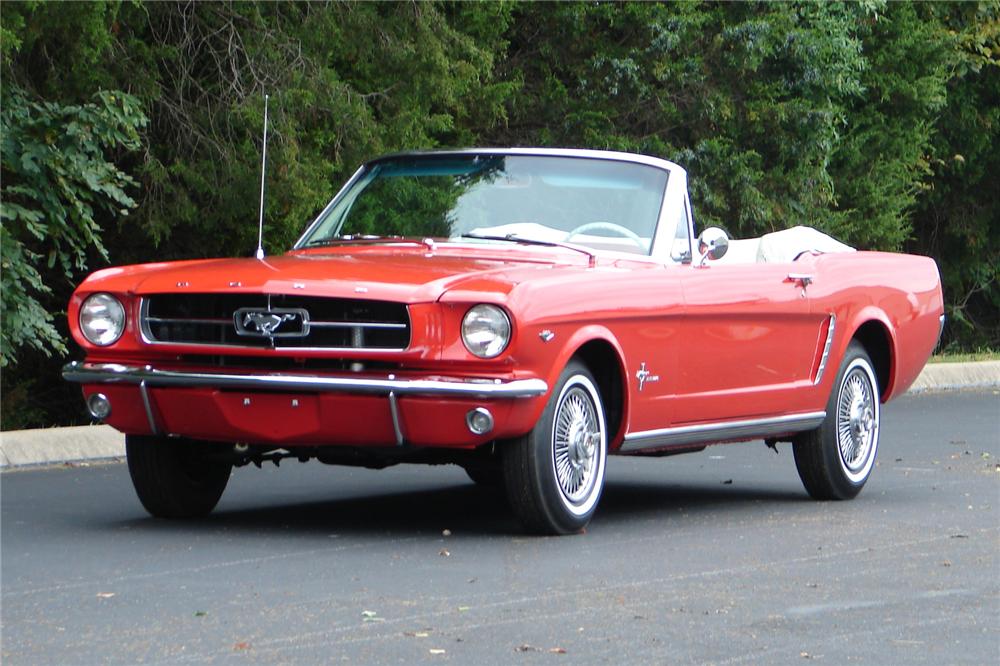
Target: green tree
{"x": 347, "y": 81}
{"x": 56, "y": 180}
{"x": 957, "y": 214}
{"x": 749, "y": 97}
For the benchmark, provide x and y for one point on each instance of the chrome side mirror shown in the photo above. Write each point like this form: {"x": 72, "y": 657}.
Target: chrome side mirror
{"x": 713, "y": 243}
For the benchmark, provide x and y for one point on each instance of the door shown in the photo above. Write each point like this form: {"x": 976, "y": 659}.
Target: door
{"x": 749, "y": 342}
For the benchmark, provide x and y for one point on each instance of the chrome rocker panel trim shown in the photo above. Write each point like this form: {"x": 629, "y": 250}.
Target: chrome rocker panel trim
{"x": 706, "y": 433}
{"x": 115, "y": 373}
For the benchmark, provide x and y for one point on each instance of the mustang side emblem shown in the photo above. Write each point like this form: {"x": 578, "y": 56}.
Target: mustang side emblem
{"x": 262, "y": 323}
{"x": 644, "y": 375}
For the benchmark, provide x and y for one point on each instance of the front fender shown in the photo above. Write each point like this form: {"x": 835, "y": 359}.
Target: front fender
{"x": 566, "y": 341}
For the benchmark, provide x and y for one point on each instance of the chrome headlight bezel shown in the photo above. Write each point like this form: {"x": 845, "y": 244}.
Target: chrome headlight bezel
{"x": 486, "y": 330}
{"x": 102, "y": 319}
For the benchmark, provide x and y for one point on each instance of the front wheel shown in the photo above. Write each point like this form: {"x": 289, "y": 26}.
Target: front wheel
{"x": 554, "y": 475}
{"x": 176, "y": 478}
{"x": 835, "y": 460}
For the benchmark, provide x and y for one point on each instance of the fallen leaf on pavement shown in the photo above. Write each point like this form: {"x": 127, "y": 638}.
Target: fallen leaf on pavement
{"x": 105, "y": 595}
{"x": 241, "y": 646}
{"x": 557, "y": 650}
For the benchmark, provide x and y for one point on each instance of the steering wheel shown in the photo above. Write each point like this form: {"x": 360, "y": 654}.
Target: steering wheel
{"x": 607, "y": 226}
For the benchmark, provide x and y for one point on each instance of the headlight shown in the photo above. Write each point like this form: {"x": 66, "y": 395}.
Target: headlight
{"x": 102, "y": 319}
{"x": 485, "y": 330}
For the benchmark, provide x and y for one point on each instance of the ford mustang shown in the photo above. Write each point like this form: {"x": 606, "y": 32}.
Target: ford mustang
{"x": 523, "y": 313}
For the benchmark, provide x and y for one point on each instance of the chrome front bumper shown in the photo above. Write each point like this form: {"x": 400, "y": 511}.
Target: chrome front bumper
{"x": 147, "y": 376}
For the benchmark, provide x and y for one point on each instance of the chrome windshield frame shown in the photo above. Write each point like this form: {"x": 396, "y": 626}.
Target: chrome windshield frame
{"x": 674, "y": 173}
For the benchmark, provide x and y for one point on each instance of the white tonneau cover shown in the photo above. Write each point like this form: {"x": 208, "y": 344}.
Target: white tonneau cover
{"x": 781, "y": 246}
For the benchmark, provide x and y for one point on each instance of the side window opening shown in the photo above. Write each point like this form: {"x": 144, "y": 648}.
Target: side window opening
{"x": 680, "y": 248}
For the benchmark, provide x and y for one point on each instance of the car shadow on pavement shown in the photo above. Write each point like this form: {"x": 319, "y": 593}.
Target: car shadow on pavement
{"x": 465, "y": 509}
{"x": 623, "y": 499}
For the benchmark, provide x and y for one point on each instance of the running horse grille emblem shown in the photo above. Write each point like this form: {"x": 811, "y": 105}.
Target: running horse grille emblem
{"x": 274, "y": 323}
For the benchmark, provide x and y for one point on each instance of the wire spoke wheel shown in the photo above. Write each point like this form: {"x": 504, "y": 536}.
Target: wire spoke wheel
{"x": 855, "y": 420}
{"x": 575, "y": 437}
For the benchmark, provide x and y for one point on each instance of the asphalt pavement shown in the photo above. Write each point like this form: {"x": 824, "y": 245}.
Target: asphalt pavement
{"x": 717, "y": 557}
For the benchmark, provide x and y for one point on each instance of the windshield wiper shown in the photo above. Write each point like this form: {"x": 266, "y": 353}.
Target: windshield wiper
{"x": 348, "y": 239}
{"x": 514, "y": 238}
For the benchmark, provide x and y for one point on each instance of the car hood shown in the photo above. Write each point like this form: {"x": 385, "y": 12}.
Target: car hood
{"x": 402, "y": 275}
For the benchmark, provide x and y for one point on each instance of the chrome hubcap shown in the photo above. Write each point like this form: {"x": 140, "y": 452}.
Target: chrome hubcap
{"x": 856, "y": 420}
{"x": 577, "y": 435}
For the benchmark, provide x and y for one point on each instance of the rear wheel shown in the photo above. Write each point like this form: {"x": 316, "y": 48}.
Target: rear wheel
{"x": 554, "y": 475}
{"x": 176, "y": 478}
{"x": 835, "y": 460}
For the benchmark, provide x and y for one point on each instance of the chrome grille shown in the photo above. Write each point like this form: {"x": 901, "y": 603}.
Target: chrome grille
{"x": 317, "y": 323}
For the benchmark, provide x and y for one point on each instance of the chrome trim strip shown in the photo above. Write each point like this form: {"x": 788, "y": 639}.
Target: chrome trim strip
{"x": 322, "y": 214}
{"x": 192, "y": 320}
{"x": 356, "y": 324}
{"x": 290, "y": 351}
{"x": 144, "y": 333}
{"x": 114, "y": 373}
{"x": 704, "y": 433}
{"x": 940, "y": 331}
{"x": 149, "y": 407}
{"x": 394, "y": 412}
{"x": 613, "y": 155}
{"x": 826, "y": 350}
{"x": 312, "y": 323}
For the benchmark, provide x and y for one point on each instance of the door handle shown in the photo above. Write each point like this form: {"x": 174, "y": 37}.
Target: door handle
{"x": 803, "y": 279}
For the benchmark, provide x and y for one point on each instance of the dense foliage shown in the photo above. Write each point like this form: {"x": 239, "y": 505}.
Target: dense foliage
{"x": 55, "y": 179}
{"x": 875, "y": 121}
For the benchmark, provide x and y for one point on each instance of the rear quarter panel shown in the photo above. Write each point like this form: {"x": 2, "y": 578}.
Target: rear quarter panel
{"x": 902, "y": 292}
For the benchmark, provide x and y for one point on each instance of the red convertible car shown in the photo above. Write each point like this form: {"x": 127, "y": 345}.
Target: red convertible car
{"x": 523, "y": 313}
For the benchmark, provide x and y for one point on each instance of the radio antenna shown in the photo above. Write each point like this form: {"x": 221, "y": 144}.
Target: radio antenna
{"x": 263, "y": 172}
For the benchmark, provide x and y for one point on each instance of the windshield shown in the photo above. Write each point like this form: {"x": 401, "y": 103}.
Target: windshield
{"x": 602, "y": 204}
